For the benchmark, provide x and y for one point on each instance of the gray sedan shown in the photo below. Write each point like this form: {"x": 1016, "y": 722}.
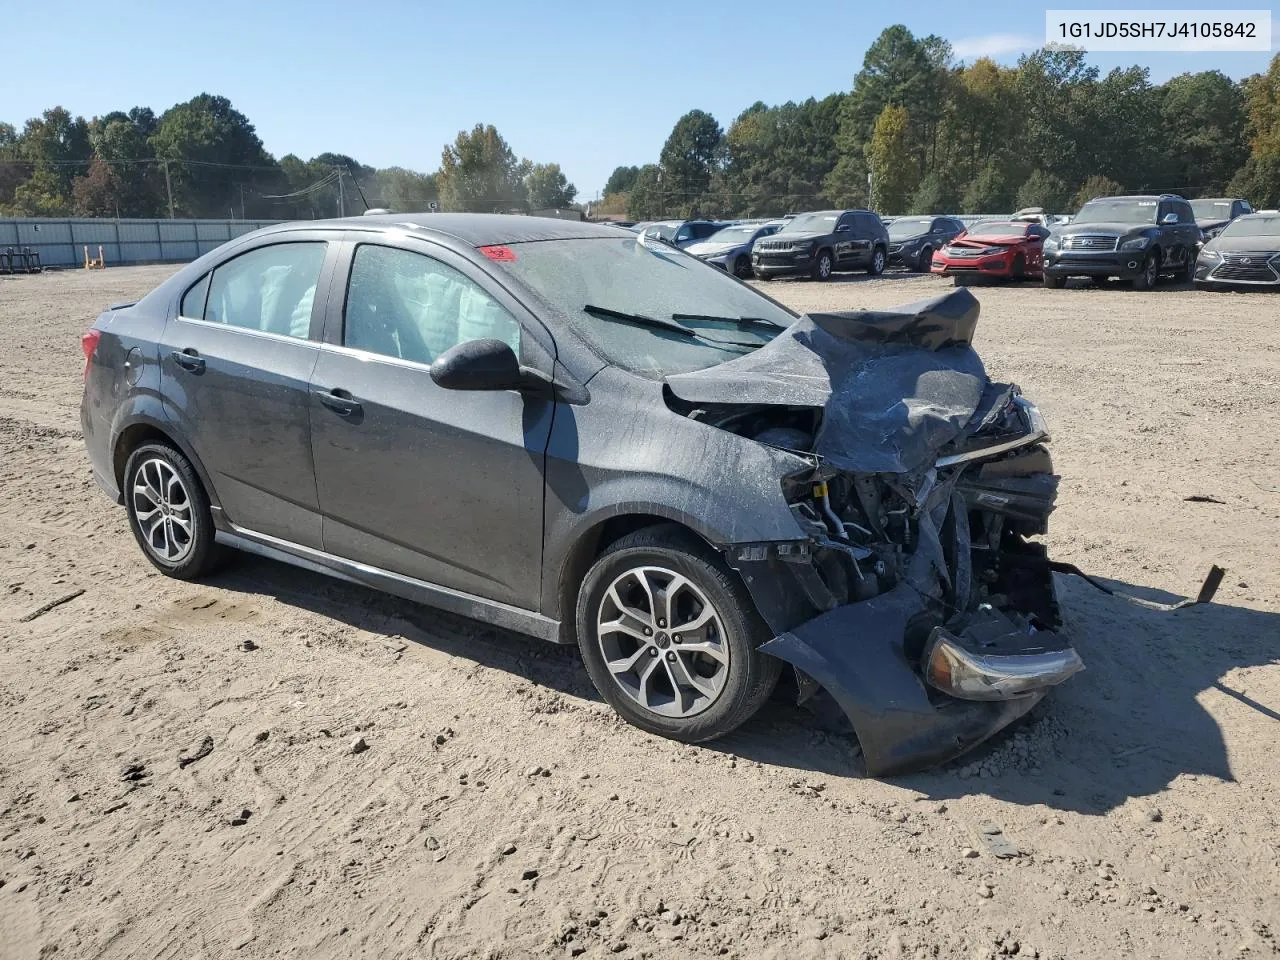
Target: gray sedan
{"x": 566, "y": 431}
{"x": 730, "y": 248}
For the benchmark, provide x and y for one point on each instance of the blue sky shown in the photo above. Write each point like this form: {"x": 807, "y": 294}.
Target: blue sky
{"x": 587, "y": 85}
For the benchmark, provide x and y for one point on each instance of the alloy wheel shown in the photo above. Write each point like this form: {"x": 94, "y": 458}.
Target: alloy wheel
{"x": 877, "y": 264}
{"x": 663, "y": 642}
{"x": 163, "y": 508}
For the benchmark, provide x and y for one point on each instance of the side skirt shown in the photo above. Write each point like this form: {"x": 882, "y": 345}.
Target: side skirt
{"x": 430, "y": 594}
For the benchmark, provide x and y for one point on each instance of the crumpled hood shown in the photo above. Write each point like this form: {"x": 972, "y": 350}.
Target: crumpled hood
{"x": 897, "y": 385}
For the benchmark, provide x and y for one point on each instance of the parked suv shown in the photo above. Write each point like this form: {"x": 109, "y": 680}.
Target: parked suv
{"x": 1133, "y": 238}
{"x": 1214, "y": 213}
{"x": 820, "y": 243}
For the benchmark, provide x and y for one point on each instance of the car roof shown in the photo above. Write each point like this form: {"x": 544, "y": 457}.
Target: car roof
{"x": 473, "y": 229}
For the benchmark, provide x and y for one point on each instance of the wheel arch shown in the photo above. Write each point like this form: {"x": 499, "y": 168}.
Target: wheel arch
{"x": 144, "y": 429}
{"x": 587, "y": 548}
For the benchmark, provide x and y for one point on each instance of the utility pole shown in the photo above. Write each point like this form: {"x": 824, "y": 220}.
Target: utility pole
{"x": 168, "y": 188}
{"x": 342, "y": 197}
{"x": 242, "y": 201}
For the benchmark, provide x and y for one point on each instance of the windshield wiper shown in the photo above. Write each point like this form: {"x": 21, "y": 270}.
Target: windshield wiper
{"x": 658, "y": 323}
{"x": 743, "y": 321}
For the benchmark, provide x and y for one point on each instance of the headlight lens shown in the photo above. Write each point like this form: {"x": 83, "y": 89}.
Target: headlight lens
{"x": 1137, "y": 243}
{"x": 1210, "y": 255}
{"x": 1051, "y": 243}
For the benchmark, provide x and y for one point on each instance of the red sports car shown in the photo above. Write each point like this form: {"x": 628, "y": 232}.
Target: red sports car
{"x": 993, "y": 249}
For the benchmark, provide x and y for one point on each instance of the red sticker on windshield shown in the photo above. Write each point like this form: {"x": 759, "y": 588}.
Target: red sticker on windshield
{"x": 501, "y": 254}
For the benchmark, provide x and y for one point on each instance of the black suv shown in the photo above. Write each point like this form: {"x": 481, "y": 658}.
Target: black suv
{"x": 823, "y": 242}
{"x": 1133, "y": 238}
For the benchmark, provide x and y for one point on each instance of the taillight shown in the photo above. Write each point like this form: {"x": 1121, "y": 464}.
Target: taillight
{"x": 89, "y": 343}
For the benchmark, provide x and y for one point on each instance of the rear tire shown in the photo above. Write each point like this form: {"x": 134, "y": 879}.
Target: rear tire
{"x": 1188, "y": 274}
{"x": 643, "y": 585}
{"x": 878, "y": 261}
{"x": 169, "y": 512}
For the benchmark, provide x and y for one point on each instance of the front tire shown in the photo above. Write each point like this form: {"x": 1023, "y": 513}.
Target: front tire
{"x": 669, "y": 637}
{"x": 823, "y": 266}
{"x": 1019, "y": 267}
{"x": 742, "y": 268}
{"x": 1054, "y": 283}
{"x": 169, "y": 512}
{"x": 924, "y": 263}
{"x": 1150, "y": 271}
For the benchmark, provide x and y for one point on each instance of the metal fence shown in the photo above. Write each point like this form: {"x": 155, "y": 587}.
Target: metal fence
{"x": 60, "y": 242}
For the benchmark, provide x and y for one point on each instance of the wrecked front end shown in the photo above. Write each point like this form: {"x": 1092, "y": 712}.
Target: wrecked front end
{"x": 922, "y": 605}
{"x": 919, "y": 598}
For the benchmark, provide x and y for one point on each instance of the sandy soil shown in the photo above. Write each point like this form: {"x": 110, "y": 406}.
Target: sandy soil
{"x": 500, "y": 809}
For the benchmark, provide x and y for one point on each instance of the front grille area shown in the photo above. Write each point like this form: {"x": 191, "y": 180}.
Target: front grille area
{"x": 1091, "y": 241}
{"x": 1246, "y": 267}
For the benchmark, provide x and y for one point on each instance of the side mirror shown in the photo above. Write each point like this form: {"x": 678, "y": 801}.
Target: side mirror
{"x": 490, "y": 364}
{"x": 486, "y": 364}
{"x": 844, "y": 229}
{"x": 1169, "y": 218}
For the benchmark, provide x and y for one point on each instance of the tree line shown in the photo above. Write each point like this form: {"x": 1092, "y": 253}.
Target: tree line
{"x": 920, "y": 133}
{"x": 203, "y": 158}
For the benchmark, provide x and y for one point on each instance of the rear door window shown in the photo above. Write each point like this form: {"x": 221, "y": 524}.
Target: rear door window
{"x": 409, "y": 306}
{"x": 193, "y": 301}
{"x": 269, "y": 289}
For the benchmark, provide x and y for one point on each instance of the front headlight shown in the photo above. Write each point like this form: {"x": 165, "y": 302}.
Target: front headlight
{"x": 1051, "y": 243}
{"x": 1210, "y": 255}
{"x": 1137, "y": 243}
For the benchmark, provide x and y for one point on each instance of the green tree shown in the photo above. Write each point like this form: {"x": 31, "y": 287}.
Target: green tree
{"x": 123, "y": 179}
{"x": 1202, "y": 116}
{"x": 479, "y": 171}
{"x": 644, "y": 199}
{"x": 1043, "y": 190}
{"x": 40, "y": 195}
{"x": 1095, "y": 186}
{"x": 56, "y": 144}
{"x": 776, "y": 158}
{"x": 621, "y": 179}
{"x": 212, "y": 151}
{"x": 1055, "y": 91}
{"x": 893, "y": 175}
{"x": 688, "y": 159}
{"x": 988, "y": 192}
{"x": 548, "y": 188}
{"x": 1259, "y": 179}
{"x": 935, "y": 194}
{"x": 404, "y": 190}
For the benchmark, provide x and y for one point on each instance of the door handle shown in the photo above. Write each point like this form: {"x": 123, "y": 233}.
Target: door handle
{"x": 339, "y": 401}
{"x": 188, "y": 359}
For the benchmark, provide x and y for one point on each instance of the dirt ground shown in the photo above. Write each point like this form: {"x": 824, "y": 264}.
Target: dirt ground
{"x": 501, "y": 810}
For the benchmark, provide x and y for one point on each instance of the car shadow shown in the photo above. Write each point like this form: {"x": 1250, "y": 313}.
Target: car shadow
{"x": 1126, "y": 727}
